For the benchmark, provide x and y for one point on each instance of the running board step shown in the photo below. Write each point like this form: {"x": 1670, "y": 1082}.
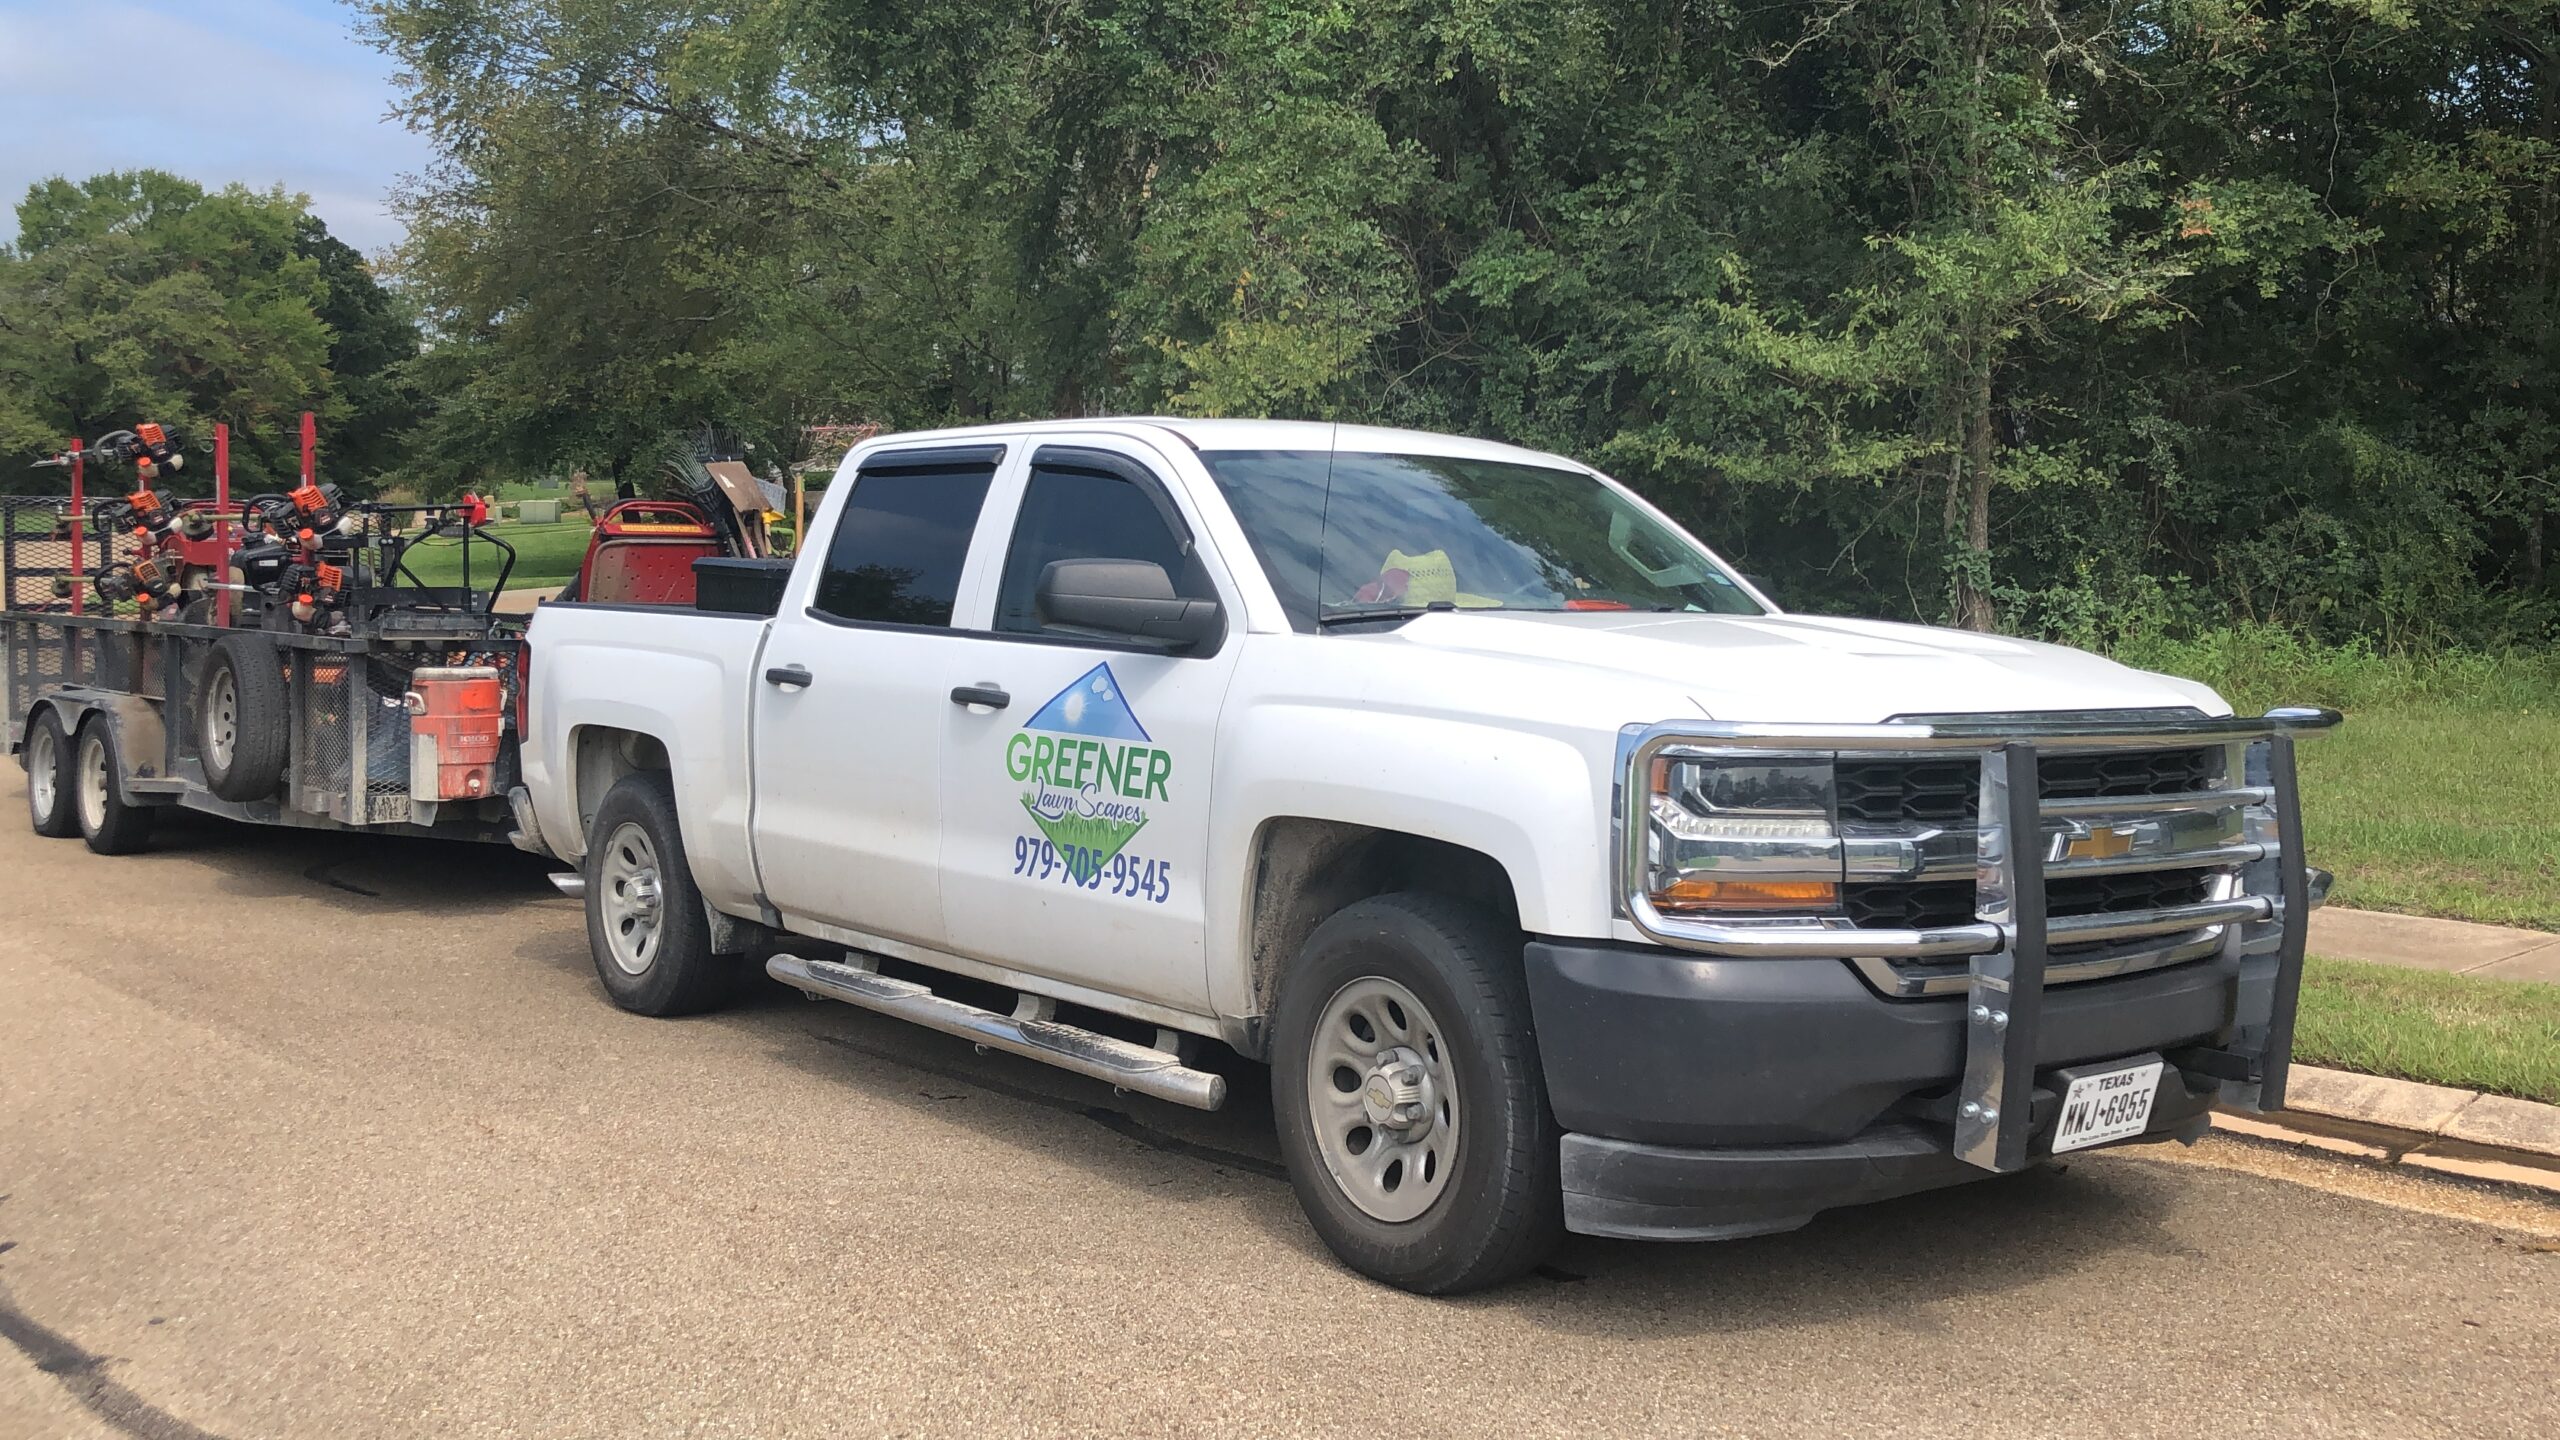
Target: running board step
{"x": 1148, "y": 1071}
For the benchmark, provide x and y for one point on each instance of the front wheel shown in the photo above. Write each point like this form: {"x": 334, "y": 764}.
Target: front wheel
{"x": 646, "y": 926}
{"x": 1410, "y": 1106}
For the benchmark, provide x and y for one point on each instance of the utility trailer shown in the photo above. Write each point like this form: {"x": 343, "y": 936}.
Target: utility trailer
{"x": 116, "y": 716}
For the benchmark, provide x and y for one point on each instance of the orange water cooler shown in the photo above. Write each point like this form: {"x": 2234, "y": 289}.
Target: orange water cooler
{"x": 455, "y": 715}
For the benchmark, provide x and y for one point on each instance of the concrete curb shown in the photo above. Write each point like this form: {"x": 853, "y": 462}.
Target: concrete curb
{"x": 2421, "y": 942}
{"x": 2461, "y": 1133}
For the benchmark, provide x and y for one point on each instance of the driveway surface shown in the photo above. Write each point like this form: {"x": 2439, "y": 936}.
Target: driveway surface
{"x": 309, "y": 1136}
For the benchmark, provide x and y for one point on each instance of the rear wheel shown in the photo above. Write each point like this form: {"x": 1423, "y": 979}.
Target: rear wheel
{"x": 49, "y": 784}
{"x": 110, "y": 824}
{"x": 1410, "y": 1106}
{"x": 646, "y": 925}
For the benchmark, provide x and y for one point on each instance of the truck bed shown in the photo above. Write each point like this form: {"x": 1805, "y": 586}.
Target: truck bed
{"x": 658, "y": 671}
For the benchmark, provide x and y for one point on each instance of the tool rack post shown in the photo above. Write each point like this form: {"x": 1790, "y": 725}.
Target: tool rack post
{"x": 222, "y": 519}
{"x": 77, "y": 523}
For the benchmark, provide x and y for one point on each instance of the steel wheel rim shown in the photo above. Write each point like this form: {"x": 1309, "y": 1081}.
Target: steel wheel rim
{"x": 629, "y": 898}
{"x": 93, "y": 782}
{"x": 1384, "y": 1099}
{"x": 222, "y": 719}
{"x": 44, "y": 770}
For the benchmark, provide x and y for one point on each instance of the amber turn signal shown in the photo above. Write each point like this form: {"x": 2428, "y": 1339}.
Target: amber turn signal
{"x": 1748, "y": 895}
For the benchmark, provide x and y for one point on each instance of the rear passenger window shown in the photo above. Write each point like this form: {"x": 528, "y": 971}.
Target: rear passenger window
{"x": 899, "y": 546}
{"x": 1078, "y": 514}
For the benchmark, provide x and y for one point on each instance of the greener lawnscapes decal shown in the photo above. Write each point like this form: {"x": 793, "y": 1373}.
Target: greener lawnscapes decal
{"x": 1090, "y": 772}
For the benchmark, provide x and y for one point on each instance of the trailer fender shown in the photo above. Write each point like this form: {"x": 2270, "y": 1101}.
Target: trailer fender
{"x": 141, "y": 740}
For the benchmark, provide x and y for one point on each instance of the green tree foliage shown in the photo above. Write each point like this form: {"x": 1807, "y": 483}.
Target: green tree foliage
{"x": 2058, "y": 316}
{"x": 140, "y": 296}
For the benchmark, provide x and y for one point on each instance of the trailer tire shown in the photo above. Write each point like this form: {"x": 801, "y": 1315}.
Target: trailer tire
{"x": 111, "y": 824}
{"x": 48, "y": 760}
{"x": 244, "y": 729}
{"x": 646, "y": 926}
{"x": 1407, "y": 1092}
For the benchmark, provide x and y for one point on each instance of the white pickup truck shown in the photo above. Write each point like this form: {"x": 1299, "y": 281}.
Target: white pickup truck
{"x": 1562, "y": 880}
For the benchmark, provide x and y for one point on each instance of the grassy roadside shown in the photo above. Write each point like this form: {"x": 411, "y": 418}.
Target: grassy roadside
{"x": 2440, "y": 810}
{"x": 2502, "y": 1036}
{"x": 2439, "y": 796}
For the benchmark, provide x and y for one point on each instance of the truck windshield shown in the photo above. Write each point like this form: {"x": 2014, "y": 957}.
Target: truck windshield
{"x": 1349, "y": 536}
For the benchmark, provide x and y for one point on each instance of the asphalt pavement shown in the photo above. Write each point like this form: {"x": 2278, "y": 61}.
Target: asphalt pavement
{"x": 303, "y": 1135}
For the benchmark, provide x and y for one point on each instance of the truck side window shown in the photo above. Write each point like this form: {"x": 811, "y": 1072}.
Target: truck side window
{"x": 1070, "y": 514}
{"x": 900, "y": 543}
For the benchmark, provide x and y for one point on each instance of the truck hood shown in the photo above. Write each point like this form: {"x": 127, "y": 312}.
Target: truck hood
{"x": 1812, "y": 669}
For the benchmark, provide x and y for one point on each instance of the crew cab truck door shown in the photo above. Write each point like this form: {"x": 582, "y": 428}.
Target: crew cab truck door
{"x": 1075, "y": 772}
{"x": 850, "y": 702}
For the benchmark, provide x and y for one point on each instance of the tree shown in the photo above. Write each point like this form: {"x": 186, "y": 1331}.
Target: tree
{"x": 139, "y": 296}
{"x": 2056, "y": 314}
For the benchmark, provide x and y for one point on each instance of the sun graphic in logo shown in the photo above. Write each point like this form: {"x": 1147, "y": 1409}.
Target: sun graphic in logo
{"x": 1074, "y": 704}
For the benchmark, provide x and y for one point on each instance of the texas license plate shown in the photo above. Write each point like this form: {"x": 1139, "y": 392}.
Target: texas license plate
{"x": 2109, "y": 1105}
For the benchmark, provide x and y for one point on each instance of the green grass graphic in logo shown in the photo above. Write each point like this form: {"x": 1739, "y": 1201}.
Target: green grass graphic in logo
{"x": 1085, "y": 843}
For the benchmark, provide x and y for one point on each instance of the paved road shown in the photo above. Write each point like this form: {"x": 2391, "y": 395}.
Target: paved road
{"x": 308, "y": 1137}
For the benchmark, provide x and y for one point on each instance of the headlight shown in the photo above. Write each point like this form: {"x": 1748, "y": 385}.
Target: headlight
{"x": 1742, "y": 835}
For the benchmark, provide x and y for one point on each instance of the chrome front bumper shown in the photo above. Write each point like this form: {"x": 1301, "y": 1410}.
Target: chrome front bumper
{"x": 2246, "y": 835}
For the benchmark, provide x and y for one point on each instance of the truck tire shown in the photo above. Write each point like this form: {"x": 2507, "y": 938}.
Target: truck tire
{"x": 48, "y": 761}
{"x": 1411, "y": 1109}
{"x": 646, "y": 926}
{"x": 110, "y": 824}
{"x": 243, "y": 728}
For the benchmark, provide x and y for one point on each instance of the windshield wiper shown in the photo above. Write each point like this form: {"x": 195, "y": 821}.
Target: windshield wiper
{"x": 1386, "y": 612}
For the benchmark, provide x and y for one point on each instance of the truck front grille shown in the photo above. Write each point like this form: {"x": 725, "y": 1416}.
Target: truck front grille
{"x": 1927, "y": 904}
{"x": 1898, "y": 790}
{"x": 1914, "y": 819}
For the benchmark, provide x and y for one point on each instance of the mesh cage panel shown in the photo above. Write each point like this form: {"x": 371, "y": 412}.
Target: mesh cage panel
{"x": 36, "y": 539}
{"x": 48, "y": 555}
{"x": 328, "y": 737}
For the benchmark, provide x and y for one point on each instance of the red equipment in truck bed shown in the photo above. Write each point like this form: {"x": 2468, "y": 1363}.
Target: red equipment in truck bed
{"x": 643, "y": 553}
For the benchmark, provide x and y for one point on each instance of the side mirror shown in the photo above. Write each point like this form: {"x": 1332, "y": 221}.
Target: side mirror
{"x": 1125, "y": 600}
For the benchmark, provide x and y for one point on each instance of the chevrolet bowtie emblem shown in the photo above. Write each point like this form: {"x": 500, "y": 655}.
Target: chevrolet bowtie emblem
{"x": 2099, "y": 845}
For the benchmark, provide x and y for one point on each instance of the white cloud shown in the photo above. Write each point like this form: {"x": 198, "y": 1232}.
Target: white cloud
{"x": 263, "y": 92}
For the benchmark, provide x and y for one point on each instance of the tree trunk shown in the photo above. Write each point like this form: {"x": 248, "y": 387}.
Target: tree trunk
{"x": 1973, "y": 599}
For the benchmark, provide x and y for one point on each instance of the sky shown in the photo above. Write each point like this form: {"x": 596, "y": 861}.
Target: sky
{"x": 264, "y": 92}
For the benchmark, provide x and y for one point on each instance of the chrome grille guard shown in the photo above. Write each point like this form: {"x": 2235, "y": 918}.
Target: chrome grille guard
{"x": 2009, "y": 943}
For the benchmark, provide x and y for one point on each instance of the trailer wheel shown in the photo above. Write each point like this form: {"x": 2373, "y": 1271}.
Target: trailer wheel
{"x": 646, "y": 927}
{"x": 48, "y": 759}
{"x": 1410, "y": 1106}
{"x": 243, "y": 730}
{"x": 110, "y": 824}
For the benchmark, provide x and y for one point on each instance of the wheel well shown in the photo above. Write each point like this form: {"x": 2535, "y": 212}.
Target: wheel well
{"x": 1306, "y": 870}
{"x": 601, "y": 755}
{"x": 27, "y": 726}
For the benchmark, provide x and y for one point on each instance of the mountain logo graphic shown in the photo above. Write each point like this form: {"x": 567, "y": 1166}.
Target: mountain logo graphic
{"x": 1091, "y": 706}
{"x": 1091, "y": 768}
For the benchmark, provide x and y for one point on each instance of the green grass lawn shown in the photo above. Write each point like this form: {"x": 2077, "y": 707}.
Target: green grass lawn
{"x": 2435, "y": 809}
{"x": 2441, "y": 793}
{"x": 2502, "y": 1036}
{"x": 546, "y": 555}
